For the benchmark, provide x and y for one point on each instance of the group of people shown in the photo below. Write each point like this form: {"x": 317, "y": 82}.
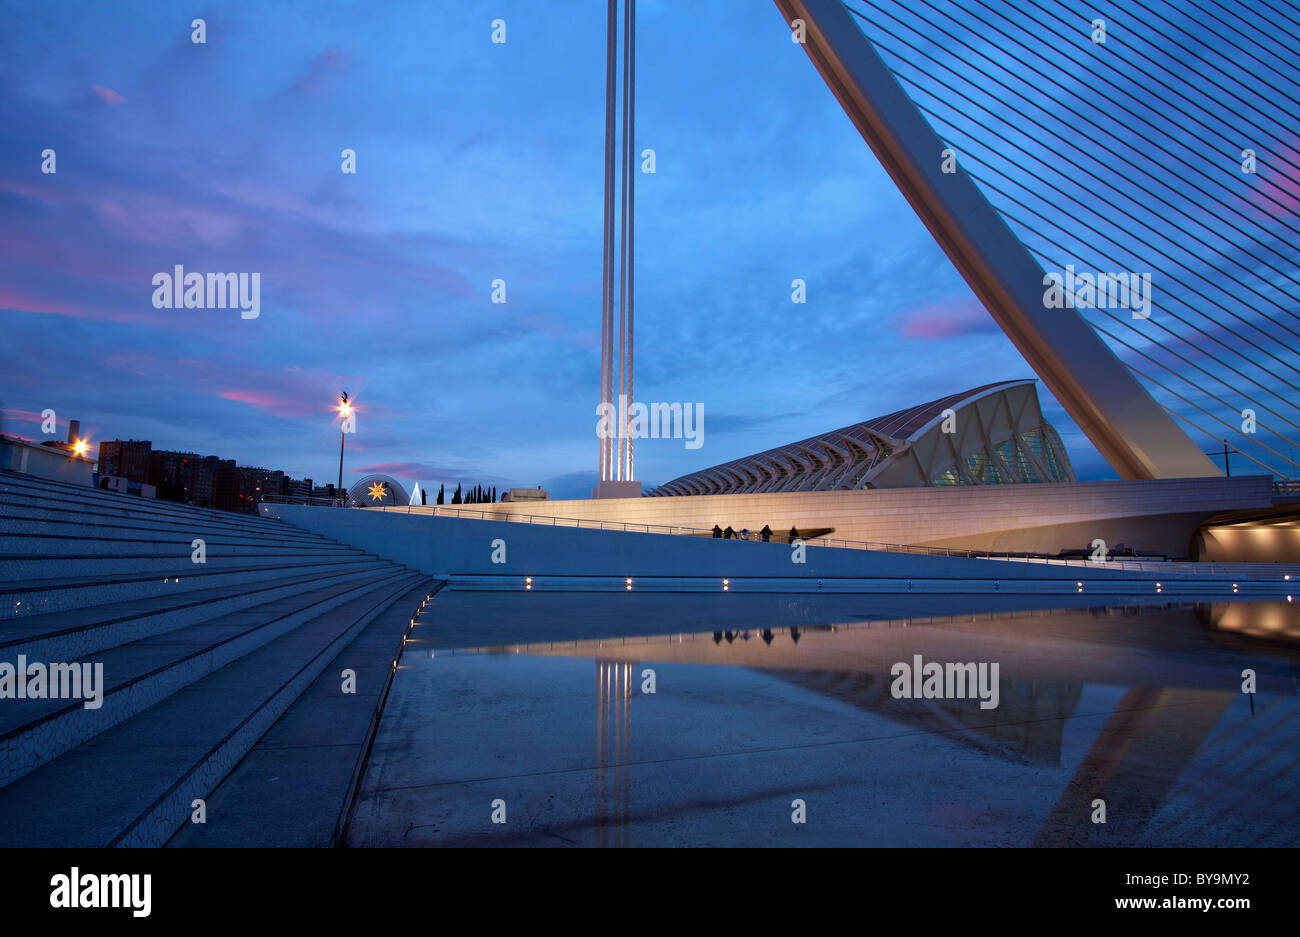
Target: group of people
{"x": 765, "y": 534}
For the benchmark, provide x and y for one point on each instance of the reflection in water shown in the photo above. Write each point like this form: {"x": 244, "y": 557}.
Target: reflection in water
{"x": 1025, "y": 728}
{"x": 1274, "y": 621}
{"x": 1179, "y": 684}
{"x": 1139, "y": 706}
{"x": 613, "y": 721}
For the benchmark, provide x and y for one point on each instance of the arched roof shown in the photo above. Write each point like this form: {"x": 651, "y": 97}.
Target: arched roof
{"x": 1000, "y": 437}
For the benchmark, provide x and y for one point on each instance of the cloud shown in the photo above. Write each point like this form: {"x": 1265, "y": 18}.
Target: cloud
{"x": 108, "y": 94}
{"x": 317, "y": 74}
{"x": 946, "y": 320}
{"x": 436, "y": 474}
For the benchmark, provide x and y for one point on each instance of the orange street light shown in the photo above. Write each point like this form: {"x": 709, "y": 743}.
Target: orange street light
{"x": 345, "y": 411}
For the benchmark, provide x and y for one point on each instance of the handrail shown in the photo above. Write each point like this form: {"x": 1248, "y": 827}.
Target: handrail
{"x": 444, "y": 510}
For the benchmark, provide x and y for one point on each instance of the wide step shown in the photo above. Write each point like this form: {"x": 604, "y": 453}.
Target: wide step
{"x": 134, "y": 784}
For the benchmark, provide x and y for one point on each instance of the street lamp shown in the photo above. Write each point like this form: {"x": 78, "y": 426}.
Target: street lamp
{"x": 345, "y": 411}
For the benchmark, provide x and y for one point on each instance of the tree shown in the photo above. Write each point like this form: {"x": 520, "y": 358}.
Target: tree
{"x": 439, "y": 501}
{"x": 455, "y": 498}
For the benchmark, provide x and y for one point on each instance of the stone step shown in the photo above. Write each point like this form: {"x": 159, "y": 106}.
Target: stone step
{"x": 21, "y": 518}
{"x": 295, "y": 787}
{"x": 140, "y": 674}
{"x": 134, "y": 784}
{"x": 19, "y": 569}
{"x": 76, "y": 633}
{"x": 62, "y": 593}
{"x": 157, "y": 543}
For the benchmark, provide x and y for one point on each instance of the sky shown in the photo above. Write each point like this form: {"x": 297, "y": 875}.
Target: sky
{"x": 475, "y": 162}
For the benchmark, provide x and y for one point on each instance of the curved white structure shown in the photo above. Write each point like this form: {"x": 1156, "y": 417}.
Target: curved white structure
{"x": 1130, "y": 429}
{"x": 991, "y": 435}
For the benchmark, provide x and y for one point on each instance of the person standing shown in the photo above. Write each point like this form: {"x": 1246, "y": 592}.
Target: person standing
{"x": 717, "y": 532}
{"x": 766, "y": 533}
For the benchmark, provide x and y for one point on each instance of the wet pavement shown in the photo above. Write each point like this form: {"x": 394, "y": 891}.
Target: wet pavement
{"x": 797, "y": 721}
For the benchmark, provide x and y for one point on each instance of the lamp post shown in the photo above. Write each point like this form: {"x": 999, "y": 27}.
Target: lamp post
{"x": 345, "y": 411}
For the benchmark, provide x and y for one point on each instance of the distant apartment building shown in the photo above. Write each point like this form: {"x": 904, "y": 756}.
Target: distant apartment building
{"x": 207, "y": 481}
{"x": 172, "y": 473}
{"x": 216, "y": 484}
{"x": 125, "y": 459}
{"x": 275, "y": 485}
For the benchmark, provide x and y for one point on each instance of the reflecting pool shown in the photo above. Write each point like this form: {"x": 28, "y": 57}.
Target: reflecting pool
{"x": 616, "y": 720}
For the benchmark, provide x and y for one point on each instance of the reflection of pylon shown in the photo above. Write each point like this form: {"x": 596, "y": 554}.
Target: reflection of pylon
{"x": 613, "y": 724}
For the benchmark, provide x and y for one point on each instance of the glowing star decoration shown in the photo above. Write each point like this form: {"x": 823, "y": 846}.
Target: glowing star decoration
{"x": 377, "y": 491}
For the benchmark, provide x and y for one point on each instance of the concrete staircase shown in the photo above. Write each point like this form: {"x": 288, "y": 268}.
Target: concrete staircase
{"x": 199, "y": 659}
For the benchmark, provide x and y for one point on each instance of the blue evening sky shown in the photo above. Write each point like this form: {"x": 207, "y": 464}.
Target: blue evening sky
{"x": 475, "y": 161}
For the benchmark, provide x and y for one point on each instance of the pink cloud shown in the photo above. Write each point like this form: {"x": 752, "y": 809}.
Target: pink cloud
{"x": 415, "y": 470}
{"x": 281, "y": 394}
{"x": 289, "y": 392}
{"x": 255, "y": 398}
{"x": 946, "y": 320}
{"x": 108, "y": 94}
{"x": 45, "y": 192}
{"x": 10, "y": 299}
{"x": 1277, "y": 194}
{"x": 423, "y": 472}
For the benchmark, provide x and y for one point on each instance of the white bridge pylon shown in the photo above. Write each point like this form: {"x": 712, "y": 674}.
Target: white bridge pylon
{"x": 1130, "y": 429}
